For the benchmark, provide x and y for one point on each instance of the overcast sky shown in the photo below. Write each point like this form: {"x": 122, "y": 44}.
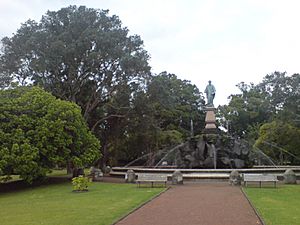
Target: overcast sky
{"x": 226, "y": 41}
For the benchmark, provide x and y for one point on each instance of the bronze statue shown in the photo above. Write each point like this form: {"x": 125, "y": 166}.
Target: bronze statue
{"x": 210, "y": 93}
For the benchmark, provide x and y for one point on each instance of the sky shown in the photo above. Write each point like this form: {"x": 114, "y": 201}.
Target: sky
{"x": 225, "y": 41}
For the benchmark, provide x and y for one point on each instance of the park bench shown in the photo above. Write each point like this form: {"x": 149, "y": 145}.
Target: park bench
{"x": 260, "y": 178}
{"x": 151, "y": 178}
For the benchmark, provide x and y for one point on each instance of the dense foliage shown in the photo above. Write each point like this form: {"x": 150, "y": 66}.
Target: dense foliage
{"x": 160, "y": 116}
{"x": 81, "y": 55}
{"x": 80, "y": 183}
{"x": 86, "y": 56}
{"x": 280, "y": 140}
{"x": 39, "y": 132}
{"x": 267, "y": 114}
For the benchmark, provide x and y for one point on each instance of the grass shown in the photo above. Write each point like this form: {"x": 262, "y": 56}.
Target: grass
{"x": 56, "y": 204}
{"x": 57, "y": 173}
{"x": 277, "y": 206}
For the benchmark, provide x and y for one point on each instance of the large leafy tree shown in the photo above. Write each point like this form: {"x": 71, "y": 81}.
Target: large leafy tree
{"x": 38, "y": 132}
{"x": 160, "y": 117}
{"x": 82, "y": 55}
{"x": 283, "y": 93}
{"x": 268, "y": 113}
{"x": 245, "y": 111}
{"x": 276, "y": 97}
{"x": 176, "y": 102}
{"x": 280, "y": 140}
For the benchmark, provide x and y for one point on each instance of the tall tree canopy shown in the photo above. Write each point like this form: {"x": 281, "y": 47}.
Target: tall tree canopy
{"x": 267, "y": 113}
{"x": 245, "y": 111}
{"x": 176, "y": 102}
{"x": 38, "y": 132}
{"x": 159, "y": 116}
{"x": 82, "y": 55}
{"x": 276, "y": 97}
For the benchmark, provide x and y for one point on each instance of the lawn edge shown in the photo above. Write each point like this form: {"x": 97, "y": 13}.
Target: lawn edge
{"x": 252, "y": 206}
{"x": 141, "y": 205}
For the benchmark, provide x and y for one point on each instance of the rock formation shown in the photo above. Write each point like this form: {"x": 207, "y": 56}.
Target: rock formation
{"x": 200, "y": 153}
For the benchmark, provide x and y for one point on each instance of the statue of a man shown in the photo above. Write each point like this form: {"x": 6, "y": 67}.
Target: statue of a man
{"x": 210, "y": 93}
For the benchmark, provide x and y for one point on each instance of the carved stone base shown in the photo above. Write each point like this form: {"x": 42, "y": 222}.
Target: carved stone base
{"x": 210, "y": 120}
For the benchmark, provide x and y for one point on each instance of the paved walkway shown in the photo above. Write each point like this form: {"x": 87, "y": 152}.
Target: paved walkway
{"x": 196, "y": 204}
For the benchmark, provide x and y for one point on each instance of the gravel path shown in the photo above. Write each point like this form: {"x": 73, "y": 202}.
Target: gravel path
{"x": 196, "y": 203}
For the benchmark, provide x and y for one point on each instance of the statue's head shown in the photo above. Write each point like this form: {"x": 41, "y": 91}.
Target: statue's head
{"x": 209, "y": 81}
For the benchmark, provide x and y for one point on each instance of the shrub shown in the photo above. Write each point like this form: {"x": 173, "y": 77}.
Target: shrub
{"x": 80, "y": 183}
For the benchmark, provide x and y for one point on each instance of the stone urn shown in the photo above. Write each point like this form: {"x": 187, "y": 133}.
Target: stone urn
{"x": 107, "y": 169}
{"x": 96, "y": 174}
{"x": 235, "y": 178}
{"x": 130, "y": 176}
{"x": 177, "y": 177}
{"x": 289, "y": 177}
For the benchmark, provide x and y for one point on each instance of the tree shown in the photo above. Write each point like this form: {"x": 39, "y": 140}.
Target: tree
{"x": 268, "y": 114}
{"x": 245, "y": 111}
{"x": 280, "y": 140}
{"x": 160, "y": 117}
{"x": 82, "y": 55}
{"x": 276, "y": 97}
{"x": 38, "y": 132}
{"x": 176, "y": 102}
{"x": 283, "y": 93}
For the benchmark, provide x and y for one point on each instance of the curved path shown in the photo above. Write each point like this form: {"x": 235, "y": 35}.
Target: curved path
{"x": 196, "y": 203}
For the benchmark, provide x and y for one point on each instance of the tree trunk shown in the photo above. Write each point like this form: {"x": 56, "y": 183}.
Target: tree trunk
{"x": 69, "y": 168}
{"x": 102, "y": 162}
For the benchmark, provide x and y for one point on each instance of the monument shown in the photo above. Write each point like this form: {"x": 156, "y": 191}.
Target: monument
{"x": 208, "y": 150}
{"x": 210, "y": 117}
{"x": 210, "y": 92}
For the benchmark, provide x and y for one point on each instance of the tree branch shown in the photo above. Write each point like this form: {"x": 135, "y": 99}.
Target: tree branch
{"x": 105, "y": 118}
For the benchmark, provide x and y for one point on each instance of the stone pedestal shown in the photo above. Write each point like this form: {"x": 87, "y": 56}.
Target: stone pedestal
{"x": 210, "y": 120}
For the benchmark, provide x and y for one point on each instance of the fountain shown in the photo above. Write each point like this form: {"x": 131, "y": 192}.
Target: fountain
{"x": 212, "y": 154}
{"x": 209, "y": 151}
{"x": 212, "y": 149}
{"x": 206, "y": 156}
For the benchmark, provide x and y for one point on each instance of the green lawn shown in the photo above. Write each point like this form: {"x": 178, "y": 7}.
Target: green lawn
{"x": 56, "y": 204}
{"x": 277, "y": 206}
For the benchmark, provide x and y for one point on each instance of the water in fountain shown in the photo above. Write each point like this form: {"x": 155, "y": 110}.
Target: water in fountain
{"x": 208, "y": 151}
{"x": 137, "y": 160}
{"x": 288, "y": 155}
{"x": 261, "y": 159}
{"x": 155, "y": 159}
{"x": 166, "y": 159}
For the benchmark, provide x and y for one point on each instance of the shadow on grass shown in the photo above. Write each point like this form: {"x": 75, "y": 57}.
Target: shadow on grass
{"x": 20, "y": 185}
